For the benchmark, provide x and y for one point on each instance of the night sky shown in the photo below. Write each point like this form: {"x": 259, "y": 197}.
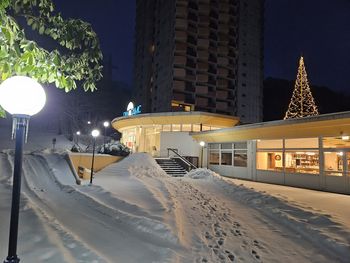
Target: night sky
{"x": 318, "y": 29}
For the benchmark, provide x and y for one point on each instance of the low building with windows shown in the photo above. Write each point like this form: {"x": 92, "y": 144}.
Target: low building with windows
{"x": 155, "y": 133}
{"x": 312, "y": 152}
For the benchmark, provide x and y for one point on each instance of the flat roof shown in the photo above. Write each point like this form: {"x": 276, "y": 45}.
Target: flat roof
{"x": 334, "y": 124}
{"x": 161, "y": 118}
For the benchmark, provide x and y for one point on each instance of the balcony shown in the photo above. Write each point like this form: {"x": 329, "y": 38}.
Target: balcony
{"x": 221, "y": 105}
{"x": 180, "y": 60}
{"x": 202, "y": 78}
{"x": 180, "y": 35}
{"x": 223, "y": 61}
{"x": 179, "y": 72}
{"x": 201, "y": 102}
{"x": 180, "y": 46}
{"x": 223, "y": 72}
{"x": 221, "y": 94}
{"x": 179, "y": 85}
{"x": 179, "y": 96}
{"x": 222, "y": 83}
{"x": 201, "y": 90}
{"x": 202, "y": 66}
{"x": 181, "y": 23}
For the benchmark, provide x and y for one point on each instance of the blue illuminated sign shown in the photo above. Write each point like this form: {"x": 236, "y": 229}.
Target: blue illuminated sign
{"x": 131, "y": 110}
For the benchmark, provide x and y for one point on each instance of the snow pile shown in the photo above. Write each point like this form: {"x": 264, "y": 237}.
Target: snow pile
{"x": 143, "y": 165}
{"x": 202, "y": 173}
{"x": 134, "y": 212}
{"x": 114, "y": 148}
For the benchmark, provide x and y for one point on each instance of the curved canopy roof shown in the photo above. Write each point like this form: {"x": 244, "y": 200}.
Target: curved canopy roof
{"x": 192, "y": 117}
{"x": 335, "y": 124}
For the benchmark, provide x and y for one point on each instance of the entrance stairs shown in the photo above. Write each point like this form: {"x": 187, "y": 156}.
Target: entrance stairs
{"x": 171, "y": 167}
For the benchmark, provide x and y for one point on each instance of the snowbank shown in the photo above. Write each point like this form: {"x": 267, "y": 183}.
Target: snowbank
{"x": 202, "y": 173}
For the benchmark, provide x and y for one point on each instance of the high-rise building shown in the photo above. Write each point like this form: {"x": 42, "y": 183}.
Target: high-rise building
{"x": 204, "y": 55}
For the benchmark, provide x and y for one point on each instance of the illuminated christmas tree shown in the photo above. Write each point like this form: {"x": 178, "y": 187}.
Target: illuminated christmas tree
{"x": 302, "y": 103}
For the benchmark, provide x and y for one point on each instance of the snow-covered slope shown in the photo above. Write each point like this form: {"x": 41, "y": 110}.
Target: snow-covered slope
{"x": 134, "y": 212}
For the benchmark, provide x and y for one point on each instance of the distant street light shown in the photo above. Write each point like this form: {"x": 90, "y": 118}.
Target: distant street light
{"x": 77, "y": 140}
{"x": 106, "y": 125}
{"x": 202, "y": 144}
{"x": 22, "y": 97}
{"x": 95, "y": 134}
{"x": 89, "y": 122}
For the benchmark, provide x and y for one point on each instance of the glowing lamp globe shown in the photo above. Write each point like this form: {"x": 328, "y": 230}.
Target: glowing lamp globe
{"x": 95, "y": 133}
{"x": 202, "y": 143}
{"x": 20, "y": 95}
{"x": 106, "y": 124}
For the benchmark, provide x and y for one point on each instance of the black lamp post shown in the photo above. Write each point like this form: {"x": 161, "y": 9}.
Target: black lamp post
{"x": 22, "y": 97}
{"x": 95, "y": 134}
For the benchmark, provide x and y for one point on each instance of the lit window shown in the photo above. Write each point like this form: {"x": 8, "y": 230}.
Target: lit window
{"x": 269, "y": 161}
{"x": 186, "y": 127}
{"x": 176, "y": 127}
{"x": 302, "y": 162}
{"x": 205, "y": 128}
{"x": 167, "y": 128}
{"x": 196, "y": 128}
{"x": 333, "y": 163}
{"x": 302, "y": 143}
{"x": 269, "y": 144}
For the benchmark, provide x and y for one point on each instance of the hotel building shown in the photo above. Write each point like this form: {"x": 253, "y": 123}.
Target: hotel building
{"x": 200, "y": 55}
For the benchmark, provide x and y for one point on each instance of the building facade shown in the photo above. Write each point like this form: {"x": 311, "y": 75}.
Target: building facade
{"x": 311, "y": 152}
{"x": 203, "y": 55}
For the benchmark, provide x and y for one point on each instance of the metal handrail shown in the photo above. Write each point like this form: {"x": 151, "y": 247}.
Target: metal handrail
{"x": 182, "y": 158}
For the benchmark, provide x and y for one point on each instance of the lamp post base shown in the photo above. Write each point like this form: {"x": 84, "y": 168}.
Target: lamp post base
{"x": 12, "y": 259}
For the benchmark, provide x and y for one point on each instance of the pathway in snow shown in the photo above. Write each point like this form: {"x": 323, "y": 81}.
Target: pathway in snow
{"x": 327, "y": 204}
{"x": 219, "y": 222}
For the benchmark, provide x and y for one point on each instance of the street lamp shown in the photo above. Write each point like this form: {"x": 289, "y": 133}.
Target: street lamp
{"x": 106, "y": 125}
{"x": 95, "y": 134}
{"x": 202, "y": 144}
{"x": 77, "y": 140}
{"x": 22, "y": 97}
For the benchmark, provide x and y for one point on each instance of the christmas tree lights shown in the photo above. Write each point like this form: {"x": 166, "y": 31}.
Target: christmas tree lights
{"x": 302, "y": 103}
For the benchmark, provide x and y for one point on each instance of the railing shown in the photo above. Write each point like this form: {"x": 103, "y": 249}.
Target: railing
{"x": 189, "y": 165}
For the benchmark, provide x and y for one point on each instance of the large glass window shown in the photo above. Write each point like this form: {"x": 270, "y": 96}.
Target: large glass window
{"x": 269, "y": 161}
{"x": 301, "y": 143}
{"x": 176, "y": 127}
{"x": 226, "y": 158}
{"x": 302, "y": 162}
{"x": 186, "y": 127}
{"x": 333, "y": 163}
{"x": 240, "y": 158}
{"x": 336, "y": 142}
{"x": 196, "y": 127}
{"x": 269, "y": 144}
{"x": 234, "y": 154}
{"x": 167, "y": 128}
{"x": 214, "y": 158}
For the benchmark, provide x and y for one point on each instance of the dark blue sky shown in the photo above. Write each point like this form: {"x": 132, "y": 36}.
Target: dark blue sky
{"x": 318, "y": 29}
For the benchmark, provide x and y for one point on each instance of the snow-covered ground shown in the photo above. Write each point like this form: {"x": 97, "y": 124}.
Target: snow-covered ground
{"x": 329, "y": 204}
{"x": 134, "y": 212}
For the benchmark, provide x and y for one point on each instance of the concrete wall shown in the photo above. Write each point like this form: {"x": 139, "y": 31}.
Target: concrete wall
{"x": 182, "y": 141}
{"x": 85, "y": 159}
{"x": 230, "y": 171}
